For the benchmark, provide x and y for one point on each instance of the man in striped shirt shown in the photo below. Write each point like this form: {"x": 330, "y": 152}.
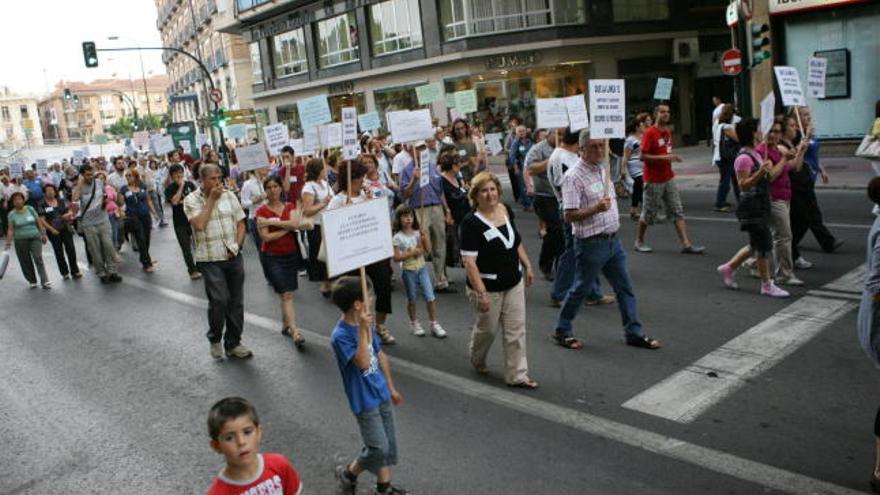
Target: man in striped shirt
{"x": 590, "y": 206}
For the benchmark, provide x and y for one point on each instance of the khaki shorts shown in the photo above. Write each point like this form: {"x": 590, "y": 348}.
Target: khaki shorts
{"x": 659, "y": 194}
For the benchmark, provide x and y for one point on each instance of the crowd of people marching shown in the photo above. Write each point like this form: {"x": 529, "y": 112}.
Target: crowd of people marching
{"x": 459, "y": 219}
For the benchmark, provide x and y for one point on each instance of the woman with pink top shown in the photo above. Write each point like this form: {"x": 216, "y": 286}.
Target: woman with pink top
{"x": 113, "y": 211}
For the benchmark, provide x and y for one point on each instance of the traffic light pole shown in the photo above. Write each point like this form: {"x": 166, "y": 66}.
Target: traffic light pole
{"x": 224, "y": 152}
{"x": 130, "y": 103}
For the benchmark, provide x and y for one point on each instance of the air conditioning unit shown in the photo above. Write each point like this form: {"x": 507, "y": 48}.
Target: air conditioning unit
{"x": 685, "y": 50}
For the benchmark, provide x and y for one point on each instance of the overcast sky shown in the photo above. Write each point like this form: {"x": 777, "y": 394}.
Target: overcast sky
{"x": 41, "y": 41}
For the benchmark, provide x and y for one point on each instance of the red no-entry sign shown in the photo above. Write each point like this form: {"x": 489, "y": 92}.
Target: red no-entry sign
{"x": 731, "y": 62}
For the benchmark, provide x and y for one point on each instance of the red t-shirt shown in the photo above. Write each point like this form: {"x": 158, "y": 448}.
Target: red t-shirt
{"x": 286, "y": 244}
{"x": 277, "y": 477}
{"x": 297, "y": 180}
{"x": 657, "y": 142}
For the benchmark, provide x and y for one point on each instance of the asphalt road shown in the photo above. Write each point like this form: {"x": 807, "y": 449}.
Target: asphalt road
{"x": 105, "y": 389}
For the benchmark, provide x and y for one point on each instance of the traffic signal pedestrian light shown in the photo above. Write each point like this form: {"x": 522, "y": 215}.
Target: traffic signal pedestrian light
{"x": 67, "y": 94}
{"x": 220, "y": 119}
{"x": 90, "y": 54}
{"x": 758, "y": 43}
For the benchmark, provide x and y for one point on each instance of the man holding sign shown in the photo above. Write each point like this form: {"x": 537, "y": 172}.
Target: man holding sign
{"x": 660, "y": 188}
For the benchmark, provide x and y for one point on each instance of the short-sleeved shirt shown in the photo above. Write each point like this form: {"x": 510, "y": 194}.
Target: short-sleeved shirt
{"x": 218, "y": 237}
{"x": 433, "y": 192}
{"x": 584, "y": 186}
{"x": 275, "y": 476}
{"x": 541, "y": 151}
{"x": 747, "y": 161}
{"x": 95, "y": 214}
{"x": 54, "y": 214}
{"x": 24, "y": 223}
{"x": 408, "y": 243}
{"x": 780, "y": 188}
{"x": 456, "y": 199}
{"x": 495, "y": 249}
{"x": 177, "y": 210}
{"x": 285, "y": 245}
{"x": 561, "y": 161}
{"x": 657, "y": 142}
{"x": 135, "y": 202}
{"x": 365, "y": 389}
{"x": 296, "y": 180}
{"x": 400, "y": 161}
{"x": 634, "y": 166}
{"x": 117, "y": 180}
{"x": 320, "y": 191}
{"x": 35, "y": 189}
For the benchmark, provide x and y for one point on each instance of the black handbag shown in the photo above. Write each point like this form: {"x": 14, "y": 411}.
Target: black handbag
{"x": 754, "y": 204}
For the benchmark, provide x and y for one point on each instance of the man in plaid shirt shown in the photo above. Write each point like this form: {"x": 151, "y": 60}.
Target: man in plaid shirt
{"x": 218, "y": 226}
{"x": 591, "y": 207}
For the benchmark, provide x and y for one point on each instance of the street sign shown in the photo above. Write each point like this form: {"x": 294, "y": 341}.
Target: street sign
{"x": 215, "y": 95}
{"x": 732, "y": 13}
{"x": 245, "y": 112}
{"x": 731, "y": 62}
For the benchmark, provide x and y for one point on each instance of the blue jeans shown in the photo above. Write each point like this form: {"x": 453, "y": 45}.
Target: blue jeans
{"x": 415, "y": 281}
{"x": 566, "y": 273}
{"x": 726, "y": 180}
{"x": 605, "y": 256}
{"x": 114, "y": 230}
{"x": 379, "y": 436}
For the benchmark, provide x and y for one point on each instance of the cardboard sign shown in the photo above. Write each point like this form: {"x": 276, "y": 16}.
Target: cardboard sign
{"x": 576, "y": 107}
{"x": 310, "y": 141}
{"x": 466, "y": 101}
{"x": 607, "y": 108}
{"x": 350, "y": 146}
{"x": 141, "y": 138}
{"x": 424, "y": 168}
{"x": 663, "y": 90}
{"x": 331, "y": 135}
{"x": 429, "y": 93}
{"x": 816, "y": 69}
{"x": 251, "y": 157}
{"x": 408, "y": 126}
{"x": 42, "y": 166}
{"x": 551, "y": 113}
{"x": 236, "y": 131}
{"x": 313, "y": 111}
{"x": 161, "y": 144}
{"x": 356, "y": 235}
{"x": 768, "y": 112}
{"x": 369, "y": 121}
{"x": 493, "y": 141}
{"x": 277, "y": 137}
{"x": 789, "y": 86}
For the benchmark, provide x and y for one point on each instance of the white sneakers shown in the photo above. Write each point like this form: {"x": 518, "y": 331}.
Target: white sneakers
{"x": 772, "y": 290}
{"x": 436, "y": 329}
{"x": 416, "y": 328}
{"x": 802, "y": 264}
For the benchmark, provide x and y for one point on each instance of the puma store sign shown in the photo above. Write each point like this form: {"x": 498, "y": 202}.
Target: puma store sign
{"x": 790, "y": 6}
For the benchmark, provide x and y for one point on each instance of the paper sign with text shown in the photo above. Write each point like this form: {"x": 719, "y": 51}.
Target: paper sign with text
{"x": 313, "y": 111}
{"x": 251, "y": 157}
{"x": 768, "y": 112}
{"x": 466, "y": 101}
{"x": 16, "y": 168}
{"x": 42, "y": 166}
{"x": 350, "y": 146}
{"x": 369, "y": 121}
{"x": 331, "y": 135}
{"x": 607, "y": 108}
{"x": 141, "y": 138}
{"x": 551, "y": 113}
{"x": 789, "y": 86}
{"x": 816, "y": 69}
{"x": 408, "y": 126}
{"x": 663, "y": 90}
{"x": 310, "y": 141}
{"x": 186, "y": 145}
{"x": 356, "y": 235}
{"x": 493, "y": 142}
{"x": 236, "y": 131}
{"x": 429, "y": 93}
{"x": 298, "y": 146}
{"x": 424, "y": 168}
{"x": 277, "y": 137}
{"x": 576, "y": 107}
{"x": 161, "y": 144}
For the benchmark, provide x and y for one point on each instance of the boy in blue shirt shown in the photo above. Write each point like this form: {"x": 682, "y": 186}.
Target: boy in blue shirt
{"x": 366, "y": 376}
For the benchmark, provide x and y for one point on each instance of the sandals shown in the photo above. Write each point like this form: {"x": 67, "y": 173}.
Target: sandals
{"x": 644, "y": 343}
{"x": 298, "y": 339}
{"x": 529, "y": 384}
{"x": 568, "y": 342}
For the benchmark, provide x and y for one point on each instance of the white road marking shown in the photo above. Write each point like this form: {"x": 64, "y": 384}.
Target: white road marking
{"x": 734, "y": 220}
{"x": 839, "y": 295}
{"x": 703, "y": 457}
{"x": 687, "y": 394}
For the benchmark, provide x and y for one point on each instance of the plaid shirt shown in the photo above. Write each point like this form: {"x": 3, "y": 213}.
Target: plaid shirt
{"x": 584, "y": 186}
{"x": 218, "y": 237}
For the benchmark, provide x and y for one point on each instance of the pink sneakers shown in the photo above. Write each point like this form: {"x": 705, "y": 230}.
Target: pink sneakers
{"x": 727, "y": 274}
{"x": 770, "y": 289}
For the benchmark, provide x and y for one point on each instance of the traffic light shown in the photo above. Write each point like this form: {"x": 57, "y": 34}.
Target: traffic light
{"x": 220, "y": 119}
{"x": 90, "y": 54}
{"x": 67, "y": 94}
{"x": 758, "y": 43}
{"x": 76, "y": 99}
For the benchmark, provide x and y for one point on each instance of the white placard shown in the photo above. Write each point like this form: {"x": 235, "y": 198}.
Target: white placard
{"x": 816, "y": 68}
{"x": 356, "y": 235}
{"x": 186, "y": 145}
{"x": 663, "y": 89}
{"x": 236, "y": 131}
{"x": 331, "y": 135}
{"x": 277, "y": 137}
{"x": 161, "y": 144}
{"x": 313, "y": 111}
{"x": 350, "y": 147}
{"x": 42, "y": 166}
{"x": 424, "y": 168}
{"x": 201, "y": 139}
{"x": 576, "y": 107}
{"x": 551, "y": 113}
{"x": 16, "y": 168}
{"x": 768, "y": 109}
{"x": 408, "y": 126}
{"x": 789, "y": 86}
{"x": 493, "y": 141}
{"x": 141, "y": 138}
{"x": 310, "y": 140}
{"x": 251, "y": 157}
{"x": 78, "y": 156}
{"x": 299, "y": 147}
{"x": 607, "y": 108}
{"x": 455, "y": 115}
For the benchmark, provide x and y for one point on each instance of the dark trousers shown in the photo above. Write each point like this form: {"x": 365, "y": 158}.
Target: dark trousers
{"x": 380, "y": 275}
{"x": 727, "y": 178}
{"x": 547, "y": 209}
{"x": 805, "y": 215}
{"x": 316, "y": 269}
{"x": 518, "y": 184}
{"x": 638, "y": 191}
{"x": 184, "y": 239}
{"x": 140, "y": 228}
{"x": 61, "y": 244}
{"x": 224, "y": 285}
{"x": 453, "y": 246}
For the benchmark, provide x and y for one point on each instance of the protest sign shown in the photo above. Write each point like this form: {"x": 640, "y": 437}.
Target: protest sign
{"x": 251, "y": 157}
{"x": 42, "y": 166}
{"x": 493, "y": 141}
{"x": 429, "y": 93}
{"x": 236, "y": 131}
{"x": 466, "y": 101}
{"x": 313, "y": 111}
{"x": 298, "y": 146}
{"x": 369, "y": 121}
{"x": 424, "y": 168}
{"x": 450, "y": 100}
{"x": 407, "y": 126}
{"x": 576, "y": 107}
{"x": 186, "y": 145}
{"x": 78, "y": 156}
{"x": 816, "y": 67}
{"x": 161, "y": 144}
{"x": 201, "y": 139}
{"x": 789, "y": 86}
{"x": 310, "y": 141}
{"x": 356, "y": 235}
{"x": 331, "y": 135}
{"x": 768, "y": 112}
{"x": 454, "y": 114}
{"x": 141, "y": 138}
{"x": 551, "y": 113}
{"x": 607, "y": 108}
{"x": 277, "y": 137}
{"x": 16, "y": 168}
{"x": 350, "y": 147}
{"x": 663, "y": 89}
{"x": 101, "y": 139}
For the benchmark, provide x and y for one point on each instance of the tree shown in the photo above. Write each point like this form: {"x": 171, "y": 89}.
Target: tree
{"x": 123, "y": 127}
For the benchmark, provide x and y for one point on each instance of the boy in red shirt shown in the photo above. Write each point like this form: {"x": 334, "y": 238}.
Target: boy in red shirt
{"x": 236, "y": 433}
{"x": 660, "y": 189}
{"x": 292, "y": 173}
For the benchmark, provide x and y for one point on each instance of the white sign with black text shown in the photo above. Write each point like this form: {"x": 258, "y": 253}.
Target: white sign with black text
{"x": 789, "y": 86}
{"x": 816, "y": 69}
{"x": 356, "y": 235}
{"x": 607, "y": 108}
{"x": 350, "y": 147}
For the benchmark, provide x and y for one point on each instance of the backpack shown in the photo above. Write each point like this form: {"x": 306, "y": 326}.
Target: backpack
{"x": 728, "y": 149}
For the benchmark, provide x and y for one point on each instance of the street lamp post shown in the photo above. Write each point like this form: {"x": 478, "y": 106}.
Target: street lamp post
{"x": 143, "y": 78}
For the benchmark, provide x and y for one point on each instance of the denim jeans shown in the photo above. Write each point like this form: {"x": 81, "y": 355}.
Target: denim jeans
{"x": 417, "y": 281}
{"x": 566, "y": 272}
{"x": 605, "y": 256}
{"x": 728, "y": 178}
{"x": 379, "y": 436}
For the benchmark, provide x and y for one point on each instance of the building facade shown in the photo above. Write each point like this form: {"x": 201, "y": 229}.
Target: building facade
{"x": 97, "y": 106}
{"x": 19, "y": 121}
{"x": 372, "y": 54}
{"x": 189, "y": 25}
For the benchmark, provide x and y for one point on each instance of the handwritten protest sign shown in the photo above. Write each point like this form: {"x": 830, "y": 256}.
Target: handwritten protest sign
{"x": 466, "y": 101}
{"x": 576, "y": 107}
{"x": 816, "y": 69}
{"x": 369, "y": 121}
{"x": 161, "y": 144}
{"x": 407, "y": 126}
{"x": 551, "y": 113}
{"x": 607, "y": 108}
{"x": 429, "y": 93}
{"x": 277, "y": 137}
{"x": 350, "y": 147}
{"x": 789, "y": 86}
{"x": 251, "y": 157}
{"x": 663, "y": 89}
{"x": 768, "y": 107}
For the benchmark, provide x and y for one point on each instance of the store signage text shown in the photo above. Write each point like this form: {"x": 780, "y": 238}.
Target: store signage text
{"x": 511, "y": 61}
{"x": 341, "y": 88}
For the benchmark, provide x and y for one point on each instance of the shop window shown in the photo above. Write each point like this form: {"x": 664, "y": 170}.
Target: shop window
{"x": 338, "y": 102}
{"x": 337, "y": 40}
{"x": 24, "y": 111}
{"x": 463, "y": 18}
{"x": 5, "y": 111}
{"x": 640, "y": 10}
{"x": 256, "y": 62}
{"x": 288, "y": 115}
{"x": 395, "y": 26}
{"x": 396, "y": 98}
{"x": 290, "y": 53}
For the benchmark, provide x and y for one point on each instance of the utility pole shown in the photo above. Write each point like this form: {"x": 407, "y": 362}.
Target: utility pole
{"x": 762, "y": 74}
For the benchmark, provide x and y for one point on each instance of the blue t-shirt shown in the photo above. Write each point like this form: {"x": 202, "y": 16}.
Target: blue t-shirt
{"x": 135, "y": 202}
{"x": 35, "y": 190}
{"x": 811, "y": 158}
{"x": 366, "y": 389}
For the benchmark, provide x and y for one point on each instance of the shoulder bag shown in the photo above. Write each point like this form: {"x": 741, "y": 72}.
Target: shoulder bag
{"x": 869, "y": 148}
{"x": 84, "y": 210}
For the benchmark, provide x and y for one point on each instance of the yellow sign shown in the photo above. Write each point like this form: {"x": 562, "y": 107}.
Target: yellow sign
{"x": 247, "y": 112}
{"x": 27, "y": 123}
